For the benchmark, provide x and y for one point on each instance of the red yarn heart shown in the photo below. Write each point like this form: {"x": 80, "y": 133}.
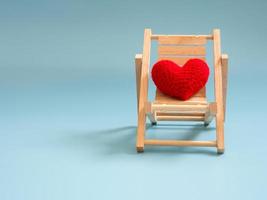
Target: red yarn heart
{"x": 180, "y": 82}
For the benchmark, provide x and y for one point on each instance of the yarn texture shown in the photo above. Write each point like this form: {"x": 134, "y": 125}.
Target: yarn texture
{"x": 180, "y": 82}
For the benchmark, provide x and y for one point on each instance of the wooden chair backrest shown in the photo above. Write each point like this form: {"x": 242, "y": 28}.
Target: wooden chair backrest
{"x": 180, "y": 49}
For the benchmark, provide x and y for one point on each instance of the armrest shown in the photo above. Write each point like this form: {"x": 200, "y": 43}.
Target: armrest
{"x": 224, "y": 60}
{"x": 138, "y": 66}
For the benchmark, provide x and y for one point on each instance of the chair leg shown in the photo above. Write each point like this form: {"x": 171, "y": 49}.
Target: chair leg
{"x": 140, "y": 142}
{"x": 210, "y": 114}
{"x": 208, "y": 119}
{"x": 141, "y": 115}
{"x": 152, "y": 118}
{"x": 206, "y": 124}
{"x": 154, "y": 123}
{"x": 220, "y": 135}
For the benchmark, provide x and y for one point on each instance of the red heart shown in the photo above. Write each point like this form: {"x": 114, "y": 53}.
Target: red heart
{"x": 180, "y": 82}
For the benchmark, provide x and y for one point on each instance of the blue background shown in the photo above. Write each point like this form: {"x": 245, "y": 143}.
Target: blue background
{"x": 68, "y": 102}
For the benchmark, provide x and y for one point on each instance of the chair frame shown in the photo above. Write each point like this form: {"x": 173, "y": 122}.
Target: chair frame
{"x": 149, "y": 109}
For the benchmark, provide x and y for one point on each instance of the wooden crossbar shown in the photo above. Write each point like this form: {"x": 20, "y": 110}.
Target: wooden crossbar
{"x": 182, "y": 50}
{"x": 181, "y": 143}
{"x": 179, "y": 118}
{"x": 173, "y": 107}
{"x": 179, "y": 60}
{"x": 182, "y": 112}
{"x": 157, "y": 36}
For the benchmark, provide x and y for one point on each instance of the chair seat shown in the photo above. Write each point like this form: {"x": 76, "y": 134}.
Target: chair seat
{"x": 161, "y": 98}
{"x": 197, "y": 100}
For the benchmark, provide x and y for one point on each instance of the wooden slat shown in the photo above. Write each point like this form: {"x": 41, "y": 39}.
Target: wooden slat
{"x": 218, "y": 89}
{"x": 198, "y": 108}
{"x": 179, "y": 60}
{"x": 157, "y": 36}
{"x": 182, "y": 40}
{"x": 182, "y": 50}
{"x": 180, "y": 114}
{"x": 207, "y": 116}
{"x": 180, "y": 118}
{"x": 181, "y": 143}
{"x": 143, "y": 91}
{"x": 197, "y": 98}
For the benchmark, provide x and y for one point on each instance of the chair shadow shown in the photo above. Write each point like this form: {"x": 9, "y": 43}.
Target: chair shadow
{"x": 121, "y": 140}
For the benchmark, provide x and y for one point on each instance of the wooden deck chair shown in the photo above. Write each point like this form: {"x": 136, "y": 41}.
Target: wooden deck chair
{"x": 180, "y": 48}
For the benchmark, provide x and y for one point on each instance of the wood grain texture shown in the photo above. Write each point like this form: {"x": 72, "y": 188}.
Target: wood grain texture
{"x": 180, "y": 118}
{"x": 182, "y": 40}
{"x": 179, "y": 60}
{"x": 198, "y": 97}
{"x": 176, "y": 108}
{"x": 218, "y": 89}
{"x": 143, "y": 91}
{"x": 182, "y": 50}
{"x": 138, "y": 65}
{"x": 181, "y": 143}
{"x": 157, "y": 36}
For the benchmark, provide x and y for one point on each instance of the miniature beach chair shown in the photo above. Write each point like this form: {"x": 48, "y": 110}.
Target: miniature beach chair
{"x": 180, "y": 48}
